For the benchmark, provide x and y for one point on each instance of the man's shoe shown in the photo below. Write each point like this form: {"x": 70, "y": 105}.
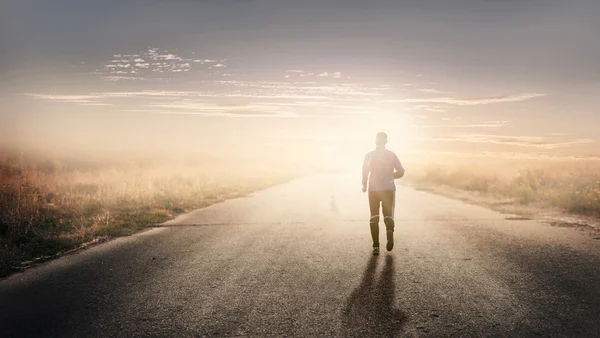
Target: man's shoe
{"x": 375, "y": 250}
{"x": 390, "y": 240}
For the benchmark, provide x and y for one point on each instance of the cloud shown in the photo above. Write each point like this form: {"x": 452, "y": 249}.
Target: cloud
{"x": 279, "y": 96}
{"x": 210, "y": 106}
{"x": 296, "y": 104}
{"x": 436, "y": 110}
{"x": 66, "y": 98}
{"x": 270, "y": 98}
{"x": 224, "y": 113}
{"x": 97, "y": 104}
{"x": 115, "y": 78}
{"x": 215, "y": 109}
{"x": 505, "y": 154}
{"x": 170, "y": 57}
{"x": 431, "y": 91}
{"x": 351, "y": 107}
{"x": 349, "y": 90}
{"x": 472, "y": 101}
{"x": 99, "y": 97}
{"x": 179, "y": 94}
{"x": 152, "y": 62}
{"x": 250, "y": 113}
{"x": 302, "y": 73}
{"x": 522, "y": 141}
{"x": 483, "y": 124}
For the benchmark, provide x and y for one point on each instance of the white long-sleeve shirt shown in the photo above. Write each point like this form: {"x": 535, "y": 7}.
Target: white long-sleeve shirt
{"x": 381, "y": 163}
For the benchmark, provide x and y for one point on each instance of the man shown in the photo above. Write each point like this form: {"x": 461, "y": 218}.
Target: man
{"x": 384, "y": 166}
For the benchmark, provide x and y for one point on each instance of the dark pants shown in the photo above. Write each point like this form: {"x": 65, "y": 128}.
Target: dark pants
{"x": 385, "y": 200}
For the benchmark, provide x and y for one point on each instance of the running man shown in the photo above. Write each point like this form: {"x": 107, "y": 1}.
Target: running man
{"x": 384, "y": 167}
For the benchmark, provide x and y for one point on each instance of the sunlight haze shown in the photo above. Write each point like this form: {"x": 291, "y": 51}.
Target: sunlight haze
{"x": 466, "y": 79}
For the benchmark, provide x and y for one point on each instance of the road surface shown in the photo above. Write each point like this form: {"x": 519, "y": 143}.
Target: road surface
{"x": 295, "y": 260}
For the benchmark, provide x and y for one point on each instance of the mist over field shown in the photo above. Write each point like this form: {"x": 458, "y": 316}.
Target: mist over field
{"x": 117, "y": 116}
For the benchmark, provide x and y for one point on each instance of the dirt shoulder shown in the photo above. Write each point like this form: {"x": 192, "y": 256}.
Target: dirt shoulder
{"x": 511, "y": 206}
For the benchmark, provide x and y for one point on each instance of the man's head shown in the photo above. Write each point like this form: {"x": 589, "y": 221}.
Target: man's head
{"x": 381, "y": 139}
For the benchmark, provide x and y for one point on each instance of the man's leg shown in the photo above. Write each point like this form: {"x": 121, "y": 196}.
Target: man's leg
{"x": 374, "y": 202}
{"x": 388, "y": 203}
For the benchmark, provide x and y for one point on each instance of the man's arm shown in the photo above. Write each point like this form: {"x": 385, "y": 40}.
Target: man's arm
{"x": 365, "y": 171}
{"x": 399, "y": 168}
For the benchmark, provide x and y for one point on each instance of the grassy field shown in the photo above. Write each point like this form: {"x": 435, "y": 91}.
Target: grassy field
{"x": 570, "y": 186}
{"x": 51, "y": 204}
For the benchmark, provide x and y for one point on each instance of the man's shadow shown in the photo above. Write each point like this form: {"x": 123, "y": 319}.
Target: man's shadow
{"x": 370, "y": 311}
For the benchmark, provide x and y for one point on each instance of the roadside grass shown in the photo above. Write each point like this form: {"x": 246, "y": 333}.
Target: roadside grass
{"x": 49, "y": 206}
{"x": 572, "y": 186}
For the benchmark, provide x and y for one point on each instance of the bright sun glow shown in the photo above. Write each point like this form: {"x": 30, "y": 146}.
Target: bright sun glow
{"x": 344, "y": 146}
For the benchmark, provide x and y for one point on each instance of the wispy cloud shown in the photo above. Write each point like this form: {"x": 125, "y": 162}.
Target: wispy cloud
{"x": 457, "y": 101}
{"x": 268, "y": 98}
{"x": 295, "y": 73}
{"x": 431, "y": 91}
{"x": 251, "y": 113}
{"x": 437, "y": 108}
{"x": 66, "y": 98}
{"x": 225, "y": 113}
{"x": 505, "y": 154}
{"x": 97, "y": 104}
{"x": 210, "y": 106}
{"x": 296, "y": 103}
{"x": 115, "y": 78}
{"x": 154, "y": 61}
{"x": 180, "y": 94}
{"x": 483, "y": 124}
{"x": 523, "y": 141}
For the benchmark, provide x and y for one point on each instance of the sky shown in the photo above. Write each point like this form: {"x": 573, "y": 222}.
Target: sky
{"x": 461, "y": 78}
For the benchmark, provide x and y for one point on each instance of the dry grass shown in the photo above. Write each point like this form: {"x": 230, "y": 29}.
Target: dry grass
{"x": 50, "y": 205}
{"x": 572, "y": 186}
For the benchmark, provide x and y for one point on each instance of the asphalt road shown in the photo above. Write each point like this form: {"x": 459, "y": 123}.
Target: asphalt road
{"x": 295, "y": 260}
